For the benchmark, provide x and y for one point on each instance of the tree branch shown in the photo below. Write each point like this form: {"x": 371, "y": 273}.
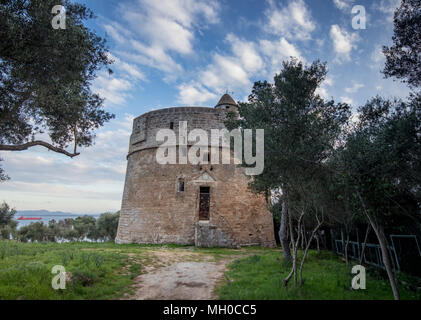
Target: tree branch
{"x": 26, "y": 146}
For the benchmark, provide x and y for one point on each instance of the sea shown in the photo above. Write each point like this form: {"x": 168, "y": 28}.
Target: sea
{"x": 46, "y": 216}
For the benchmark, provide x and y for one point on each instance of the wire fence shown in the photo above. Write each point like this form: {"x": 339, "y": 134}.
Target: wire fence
{"x": 404, "y": 250}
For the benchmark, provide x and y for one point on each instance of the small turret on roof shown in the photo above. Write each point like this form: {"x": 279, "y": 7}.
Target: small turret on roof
{"x": 226, "y": 100}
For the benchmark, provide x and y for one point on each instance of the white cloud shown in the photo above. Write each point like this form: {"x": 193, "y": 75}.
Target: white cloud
{"x": 347, "y": 100}
{"x": 354, "y": 88}
{"x": 246, "y": 52}
{"x": 128, "y": 70}
{"x": 117, "y": 32}
{"x": 280, "y": 50}
{"x": 377, "y": 58}
{"x": 92, "y": 182}
{"x": 183, "y": 12}
{"x": 126, "y": 122}
{"x": 153, "y": 56}
{"x": 230, "y": 71}
{"x": 329, "y": 81}
{"x": 343, "y": 43}
{"x": 160, "y": 28}
{"x": 275, "y": 52}
{"x": 387, "y": 7}
{"x": 116, "y": 87}
{"x": 115, "y": 90}
{"x": 293, "y": 21}
{"x": 225, "y": 72}
{"x": 235, "y": 70}
{"x": 190, "y": 94}
{"x": 322, "y": 89}
{"x": 343, "y": 5}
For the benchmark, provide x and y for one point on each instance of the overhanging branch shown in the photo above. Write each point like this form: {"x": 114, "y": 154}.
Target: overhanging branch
{"x": 26, "y": 146}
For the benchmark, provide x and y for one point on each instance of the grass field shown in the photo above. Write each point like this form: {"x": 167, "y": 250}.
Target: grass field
{"x": 326, "y": 277}
{"x": 99, "y": 271}
{"x": 107, "y": 271}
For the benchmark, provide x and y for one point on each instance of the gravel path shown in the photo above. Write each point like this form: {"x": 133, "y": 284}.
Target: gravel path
{"x": 180, "y": 275}
{"x": 181, "y": 281}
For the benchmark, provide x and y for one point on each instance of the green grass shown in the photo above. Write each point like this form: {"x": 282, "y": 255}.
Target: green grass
{"x": 106, "y": 271}
{"x": 326, "y": 277}
{"x": 99, "y": 271}
{"x": 224, "y": 253}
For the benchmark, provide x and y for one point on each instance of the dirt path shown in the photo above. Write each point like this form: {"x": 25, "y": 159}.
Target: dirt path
{"x": 180, "y": 274}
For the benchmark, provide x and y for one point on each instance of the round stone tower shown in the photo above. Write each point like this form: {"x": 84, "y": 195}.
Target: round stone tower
{"x": 204, "y": 204}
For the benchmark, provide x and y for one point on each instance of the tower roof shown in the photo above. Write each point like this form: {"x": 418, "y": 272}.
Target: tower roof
{"x": 226, "y": 99}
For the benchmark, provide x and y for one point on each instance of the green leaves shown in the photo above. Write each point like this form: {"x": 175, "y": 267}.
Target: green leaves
{"x": 380, "y": 159}
{"x": 45, "y": 74}
{"x": 301, "y": 129}
{"x": 403, "y": 58}
{"x": 6, "y": 214}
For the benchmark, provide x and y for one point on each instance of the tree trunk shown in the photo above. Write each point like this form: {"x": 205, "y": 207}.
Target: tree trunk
{"x": 294, "y": 250}
{"x": 364, "y": 244}
{"x": 304, "y": 238}
{"x": 317, "y": 243}
{"x": 26, "y": 146}
{"x": 392, "y": 258}
{"x": 306, "y": 251}
{"x": 346, "y": 248}
{"x": 386, "y": 261}
{"x": 378, "y": 230}
{"x": 358, "y": 242}
{"x": 283, "y": 233}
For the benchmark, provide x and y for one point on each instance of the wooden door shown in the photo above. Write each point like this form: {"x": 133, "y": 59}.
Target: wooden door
{"x": 204, "y": 204}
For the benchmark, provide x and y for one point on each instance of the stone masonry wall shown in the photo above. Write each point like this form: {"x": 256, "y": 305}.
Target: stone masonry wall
{"x": 153, "y": 211}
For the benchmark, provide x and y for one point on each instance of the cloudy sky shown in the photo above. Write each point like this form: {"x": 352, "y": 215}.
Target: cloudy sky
{"x": 189, "y": 52}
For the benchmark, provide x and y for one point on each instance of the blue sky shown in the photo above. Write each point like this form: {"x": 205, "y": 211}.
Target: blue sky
{"x": 189, "y": 52}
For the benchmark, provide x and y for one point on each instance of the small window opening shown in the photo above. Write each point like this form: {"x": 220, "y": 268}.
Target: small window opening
{"x": 171, "y": 125}
{"x": 181, "y": 185}
{"x": 206, "y": 157}
{"x": 204, "y": 190}
{"x": 227, "y": 107}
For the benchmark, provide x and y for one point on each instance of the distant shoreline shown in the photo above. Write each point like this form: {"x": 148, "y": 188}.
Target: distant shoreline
{"x": 57, "y": 215}
{"x": 45, "y": 213}
{"x": 47, "y": 217}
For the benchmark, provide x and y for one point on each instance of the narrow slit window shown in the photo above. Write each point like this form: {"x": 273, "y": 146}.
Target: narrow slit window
{"x": 204, "y": 204}
{"x": 181, "y": 185}
{"x": 206, "y": 157}
{"x": 171, "y": 125}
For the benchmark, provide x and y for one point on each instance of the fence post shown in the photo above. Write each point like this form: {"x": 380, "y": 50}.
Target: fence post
{"x": 332, "y": 240}
{"x": 358, "y": 241}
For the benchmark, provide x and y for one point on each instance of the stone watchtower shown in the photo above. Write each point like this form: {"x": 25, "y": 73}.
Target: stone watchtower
{"x": 205, "y": 204}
